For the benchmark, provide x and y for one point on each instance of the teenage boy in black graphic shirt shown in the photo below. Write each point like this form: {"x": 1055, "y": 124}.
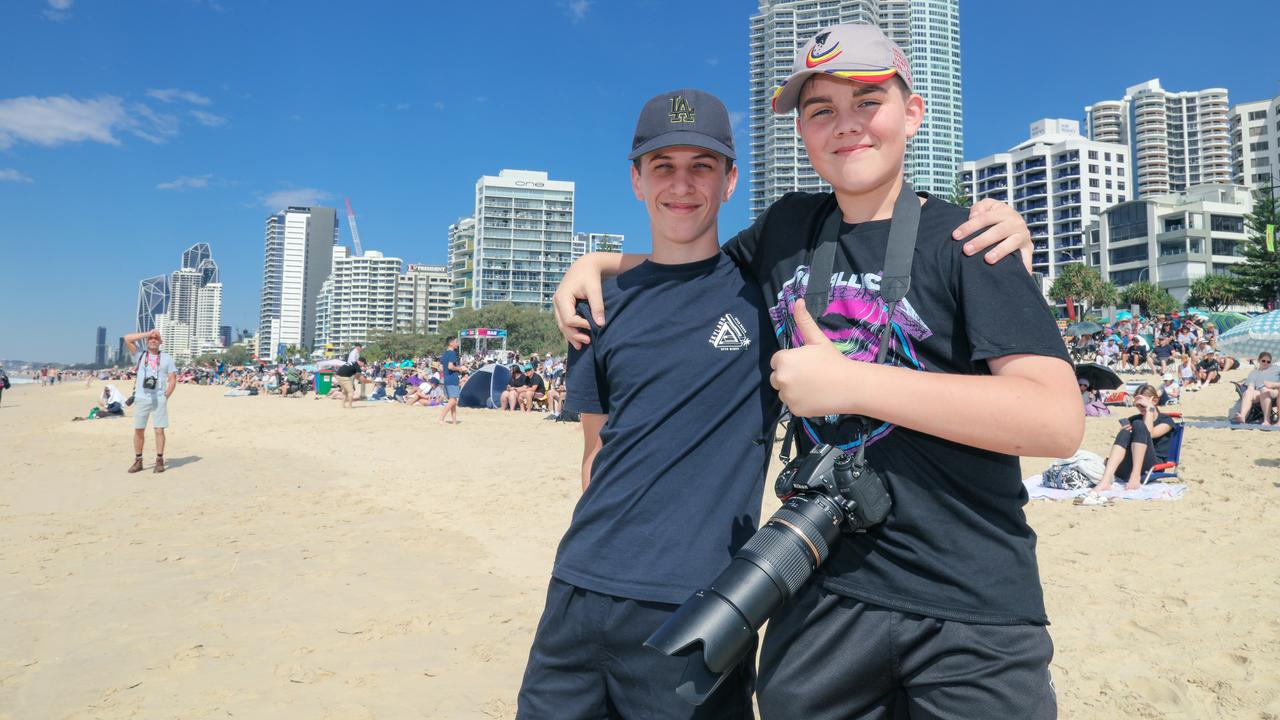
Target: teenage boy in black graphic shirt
{"x": 938, "y": 612}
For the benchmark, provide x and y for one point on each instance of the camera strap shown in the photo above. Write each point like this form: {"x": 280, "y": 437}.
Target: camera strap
{"x": 895, "y": 281}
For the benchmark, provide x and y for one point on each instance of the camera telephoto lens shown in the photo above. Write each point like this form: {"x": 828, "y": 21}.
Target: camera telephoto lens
{"x": 715, "y": 628}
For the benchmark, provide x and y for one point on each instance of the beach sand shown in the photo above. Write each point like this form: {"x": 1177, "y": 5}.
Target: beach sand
{"x": 303, "y": 561}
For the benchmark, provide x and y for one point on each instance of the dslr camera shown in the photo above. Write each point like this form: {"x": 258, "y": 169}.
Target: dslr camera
{"x": 149, "y": 383}
{"x": 823, "y": 493}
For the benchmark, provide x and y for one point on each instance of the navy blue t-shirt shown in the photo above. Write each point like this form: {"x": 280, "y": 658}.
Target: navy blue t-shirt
{"x": 675, "y": 489}
{"x": 450, "y": 357}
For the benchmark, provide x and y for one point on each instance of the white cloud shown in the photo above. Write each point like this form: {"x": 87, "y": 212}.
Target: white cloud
{"x": 55, "y": 120}
{"x": 402, "y": 106}
{"x": 186, "y": 182}
{"x": 713, "y": 61}
{"x": 438, "y": 105}
{"x": 736, "y": 117}
{"x": 172, "y": 94}
{"x": 52, "y": 121}
{"x": 208, "y": 119}
{"x": 150, "y": 125}
{"x": 282, "y": 199}
{"x": 578, "y": 9}
{"x": 11, "y": 175}
{"x": 58, "y": 10}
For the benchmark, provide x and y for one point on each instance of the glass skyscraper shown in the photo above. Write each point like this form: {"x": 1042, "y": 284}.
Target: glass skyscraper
{"x": 928, "y": 31}
{"x": 153, "y": 299}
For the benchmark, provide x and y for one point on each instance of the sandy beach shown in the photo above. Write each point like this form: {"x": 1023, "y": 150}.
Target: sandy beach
{"x": 302, "y": 561}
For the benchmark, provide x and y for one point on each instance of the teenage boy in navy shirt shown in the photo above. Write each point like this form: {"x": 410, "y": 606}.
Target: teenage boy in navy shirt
{"x": 938, "y": 612}
{"x": 676, "y": 439}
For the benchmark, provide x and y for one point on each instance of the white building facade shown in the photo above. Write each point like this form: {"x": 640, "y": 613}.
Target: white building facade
{"x": 584, "y": 243}
{"x": 462, "y": 249}
{"x": 1176, "y": 140}
{"x": 297, "y": 259}
{"x": 424, "y": 298}
{"x": 1172, "y": 240}
{"x": 523, "y": 238}
{"x": 1059, "y": 181}
{"x": 928, "y": 31}
{"x": 357, "y": 300}
{"x": 1255, "y": 143}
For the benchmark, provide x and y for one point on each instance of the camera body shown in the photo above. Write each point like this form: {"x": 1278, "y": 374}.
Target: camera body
{"x": 149, "y": 383}
{"x": 854, "y": 486}
{"x": 824, "y": 493}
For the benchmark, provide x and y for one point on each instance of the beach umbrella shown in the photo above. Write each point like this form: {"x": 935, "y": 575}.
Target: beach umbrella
{"x": 1199, "y": 312}
{"x": 1260, "y": 334}
{"x": 1083, "y": 328}
{"x": 324, "y": 364}
{"x": 1224, "y": 321}
{"x": 1100, "y": 377}
{"x": 1124, "y": 315}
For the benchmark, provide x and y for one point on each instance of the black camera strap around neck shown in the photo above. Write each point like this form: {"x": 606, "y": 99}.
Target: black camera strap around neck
{"x": 895, "y": 280}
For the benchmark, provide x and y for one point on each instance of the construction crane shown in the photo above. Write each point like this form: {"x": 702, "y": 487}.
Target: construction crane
{"x": 355, "y": 232}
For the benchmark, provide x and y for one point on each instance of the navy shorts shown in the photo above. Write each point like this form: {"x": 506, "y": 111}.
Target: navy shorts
{"x": 828, "y": 656}
{"x": 452, "y": 391}
{"x": 588, "y": 661}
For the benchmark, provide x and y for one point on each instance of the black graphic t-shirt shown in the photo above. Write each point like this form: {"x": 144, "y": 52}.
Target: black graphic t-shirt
{"x": 681, "y": 369}
{"x": 956, "y": 544}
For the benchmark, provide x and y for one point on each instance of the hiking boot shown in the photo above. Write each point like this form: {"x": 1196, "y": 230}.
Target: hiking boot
{"x": 136, "y": 466}
{"x": 159, "y": 468}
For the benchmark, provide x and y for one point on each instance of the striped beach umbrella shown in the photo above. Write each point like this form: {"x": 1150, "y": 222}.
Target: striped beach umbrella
{"x": 1224, "y": 321}
{"x": 1253, "y": 336}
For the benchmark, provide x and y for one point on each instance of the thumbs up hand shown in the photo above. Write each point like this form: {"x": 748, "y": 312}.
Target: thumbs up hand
{"x": 810, "y": 379}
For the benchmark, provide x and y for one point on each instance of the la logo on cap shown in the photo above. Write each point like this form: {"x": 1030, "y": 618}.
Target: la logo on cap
{"x": 681, "y": 111}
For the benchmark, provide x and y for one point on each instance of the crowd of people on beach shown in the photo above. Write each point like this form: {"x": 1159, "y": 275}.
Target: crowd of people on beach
{"x": 1181, "y": 351}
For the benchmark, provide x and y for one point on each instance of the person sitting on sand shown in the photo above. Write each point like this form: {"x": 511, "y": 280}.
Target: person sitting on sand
{"x": 510, "y": 398}
{"x": 1208, "y": 370}
{"x": 1143, "y": 441}
{"x": 1170, "y": 390}
{"x": 110, "y": 404}
{"x": 1261, "y": 388}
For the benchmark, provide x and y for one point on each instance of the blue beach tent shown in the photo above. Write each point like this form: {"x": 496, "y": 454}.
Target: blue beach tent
{"x": 484, "y": 387}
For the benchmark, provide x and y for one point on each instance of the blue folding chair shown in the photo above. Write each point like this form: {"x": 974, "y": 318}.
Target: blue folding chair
{"x": 1169, "y": 468}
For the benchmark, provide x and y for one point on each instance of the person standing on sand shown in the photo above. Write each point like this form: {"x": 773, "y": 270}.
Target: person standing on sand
{"x": 450, "y": 367}
{"x": 156, "y": 381}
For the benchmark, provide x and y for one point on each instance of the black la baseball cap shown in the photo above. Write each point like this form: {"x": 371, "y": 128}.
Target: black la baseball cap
{"x": 683, "y": 117}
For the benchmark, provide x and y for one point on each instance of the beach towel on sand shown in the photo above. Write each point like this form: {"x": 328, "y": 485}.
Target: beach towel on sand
{"x": 1150, "y": 491}
{"x": 1228, "y": 425}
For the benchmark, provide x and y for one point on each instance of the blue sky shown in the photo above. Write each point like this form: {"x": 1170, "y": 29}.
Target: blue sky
{"x": 130, "y": 130}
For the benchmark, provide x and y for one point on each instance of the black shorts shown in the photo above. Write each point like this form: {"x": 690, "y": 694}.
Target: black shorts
{"x": 588, "y": 661}
{"x": 828, "y": 656}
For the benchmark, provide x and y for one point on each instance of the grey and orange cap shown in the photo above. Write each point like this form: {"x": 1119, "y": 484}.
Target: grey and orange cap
{"x": 683, "y": 117}
{"x": 853, "y": 52}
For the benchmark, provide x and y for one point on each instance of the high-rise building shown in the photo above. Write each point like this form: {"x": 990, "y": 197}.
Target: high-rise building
{"x": 224, "y": 335}
{"x": 1059, "y": 181}
{"x": 357, "y": 300}
{"x": 462, "y": 247}
{"x": 584, "y": 243}
{"x": 928, "y": 31}
{"x": 424, "y": 298}
{"x": 1171, "y": 240}
{"x": 523, "y": 238}
{"x": 153, "y": 299}
{"x": 297, "y": 260}
{"x": 1255, "y": 143}
{"x": 1176, "y": 140}
{"x": 100, "y": 348}
{"x": 122, "y": 358}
